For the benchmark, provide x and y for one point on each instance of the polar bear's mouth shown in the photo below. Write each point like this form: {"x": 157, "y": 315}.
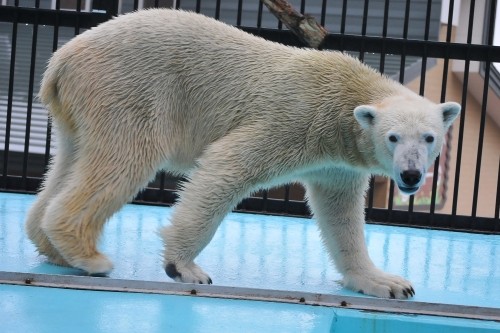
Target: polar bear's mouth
{"x": 408, "y": 190}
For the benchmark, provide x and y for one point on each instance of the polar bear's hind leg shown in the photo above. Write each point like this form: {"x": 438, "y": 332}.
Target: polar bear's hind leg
{"x": 98, "y": 184}
{"x": 53, "y": 183}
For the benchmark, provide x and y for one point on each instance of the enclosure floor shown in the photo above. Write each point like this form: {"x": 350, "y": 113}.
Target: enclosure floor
{"x": 252, "y": 251}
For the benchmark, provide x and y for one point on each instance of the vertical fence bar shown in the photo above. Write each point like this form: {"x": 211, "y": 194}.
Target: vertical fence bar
{"x": 217, "y": 9}
{"x": 384, "y": 35}
{"x": 265, "y": 201}
{"x": 363, "y": 29}
{"x": 113, "y": 8}
{"x": 463, "y": 113}
{"x": 286, "y": 201}
{"x": 302, "y": 6}
{"x": 370, "y": 194}
{"x": 280, "y": 24}
{"x": 29, "y": 108}
{"x": 323, "y": 12}
{"x": 406, "y": 21}
{"x": 423, "y": 69}
{"x": 259, "y": 25}
{"x": 55, "y": 40}
{"x": 343, "y": 23}
{"x": 259, "y": 15}
{"x": 198, "y": 6}
{"x": 10, "y": 96}
{"x": 77, "y": 19}
{"x": 435, "y": 177}
{"x": 362, "y": 58}
{"x": 497, "y": 203}
{"x": 401, "y": 79}
{"x": 371, "y": 191}
{"x": 162, "y": 186}
{"x": 484, "y": 102}
{"x": 423, "y": 72}
{"x": 238, "y": 16}
{"x": 343, "y": 18}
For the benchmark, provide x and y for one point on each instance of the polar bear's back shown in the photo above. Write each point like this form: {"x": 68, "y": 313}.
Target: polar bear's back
{"x": 164, "y": 61}
{"x": 151, "y": 47}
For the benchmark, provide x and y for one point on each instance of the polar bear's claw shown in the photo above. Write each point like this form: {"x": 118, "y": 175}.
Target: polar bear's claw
{"x": 409, "y": 292}
{"x": 380, "y": 284}
{"x": 187, "y": 273}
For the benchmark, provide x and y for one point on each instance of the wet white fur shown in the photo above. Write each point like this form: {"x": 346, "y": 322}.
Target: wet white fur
{"x": 235, "y": 113}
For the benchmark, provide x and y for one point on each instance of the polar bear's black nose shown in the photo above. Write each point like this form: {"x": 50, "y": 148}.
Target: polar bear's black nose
{"x": 411, "y": 177}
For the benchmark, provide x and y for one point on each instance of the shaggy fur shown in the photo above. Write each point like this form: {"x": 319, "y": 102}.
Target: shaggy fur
{"x": 173, "y": 90}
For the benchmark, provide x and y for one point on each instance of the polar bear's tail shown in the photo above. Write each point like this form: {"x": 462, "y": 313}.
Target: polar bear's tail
{"x": 49, "y": 93}
{"x": 48, "y": 89}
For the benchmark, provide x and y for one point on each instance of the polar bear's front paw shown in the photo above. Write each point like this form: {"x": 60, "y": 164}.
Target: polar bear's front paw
{"x": 379, "y": 284}
{"x": 187, "y": 273}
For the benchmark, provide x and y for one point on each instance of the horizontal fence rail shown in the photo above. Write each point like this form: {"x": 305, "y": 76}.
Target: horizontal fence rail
{"x": 403, "y": 39}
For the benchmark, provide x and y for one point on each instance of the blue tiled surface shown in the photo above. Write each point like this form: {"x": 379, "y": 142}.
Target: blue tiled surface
{"x": 60, "y": 310}
{"x": 40, "y": 310}
{"x": 254, "y": 251}
{"x": 280, "y": 253}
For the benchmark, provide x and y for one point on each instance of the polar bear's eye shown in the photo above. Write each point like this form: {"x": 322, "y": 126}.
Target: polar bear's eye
{"x": 429, "y": 139}
{"x": 393, "y": 138}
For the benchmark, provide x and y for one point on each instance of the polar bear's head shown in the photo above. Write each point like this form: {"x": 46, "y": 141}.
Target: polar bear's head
{"x": 407, "y": 133}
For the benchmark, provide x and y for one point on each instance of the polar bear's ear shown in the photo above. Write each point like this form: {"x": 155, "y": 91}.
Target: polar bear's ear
{"x": 450, "y": 111}
{"x": 365, "y": 115}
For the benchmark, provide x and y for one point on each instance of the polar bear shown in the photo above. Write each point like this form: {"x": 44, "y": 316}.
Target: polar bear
{"x": 174, "y": 90}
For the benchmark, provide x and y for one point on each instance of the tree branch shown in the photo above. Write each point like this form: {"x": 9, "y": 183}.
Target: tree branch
{"x": 304, "y": 27}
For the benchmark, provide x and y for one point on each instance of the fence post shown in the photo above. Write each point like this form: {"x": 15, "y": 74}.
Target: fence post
{"x": 109, "y": 6}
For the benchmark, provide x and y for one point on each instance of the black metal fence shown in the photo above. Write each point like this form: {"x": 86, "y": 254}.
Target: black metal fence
{"x": 404, "y": 39}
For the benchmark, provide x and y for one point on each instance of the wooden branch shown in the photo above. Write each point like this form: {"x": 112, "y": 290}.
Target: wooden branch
{"x": 304, "y": 27}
